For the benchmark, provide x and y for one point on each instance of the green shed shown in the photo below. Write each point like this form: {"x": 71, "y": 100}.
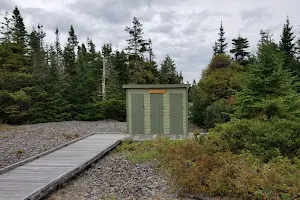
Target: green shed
{"x": 157, "y": 108}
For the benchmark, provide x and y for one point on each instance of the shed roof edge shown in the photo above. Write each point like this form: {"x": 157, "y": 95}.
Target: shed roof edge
{"x": 155, "y": 86}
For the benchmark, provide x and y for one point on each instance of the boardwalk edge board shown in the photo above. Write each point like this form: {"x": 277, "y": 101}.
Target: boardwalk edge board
{"x": 22, "y": 162}
{"x": 53, "y": 185}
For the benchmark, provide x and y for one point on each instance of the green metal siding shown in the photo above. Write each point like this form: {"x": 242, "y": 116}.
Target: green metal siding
{"x": 176, "y": 113}
{"x": 127, "y": 110}
{"x": 147, "y": 111}
{"x": 166, "y": 109}
{"x": 137, "y": 106}
{"x": 156, "y": 105}
{"x": 166, "y": 122}
{"x": 186, "y": 119}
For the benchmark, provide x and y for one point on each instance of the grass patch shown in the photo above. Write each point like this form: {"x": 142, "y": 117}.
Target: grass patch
{"x": 4, "y": 127}
{"x": 199, "y": 167}
{"x": 20, "y": 151}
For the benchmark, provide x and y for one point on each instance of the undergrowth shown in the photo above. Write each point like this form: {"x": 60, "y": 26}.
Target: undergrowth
{"x": 196, "y": 167}
{"x": 4, "y": 127}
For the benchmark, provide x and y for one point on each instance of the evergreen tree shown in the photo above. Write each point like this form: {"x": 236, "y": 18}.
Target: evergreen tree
{"x": 141, "y": 70}
{"x": 69, "y": 53}
{"x": 268, "y": 90}
{"x": 265, "y": 37}
{"x": 91, "y": 46}
{"x": 168, "y": 73}
{"x": 215, "y": 48}
{"x": 217, "y": 85}
{"x": 106, "y": 50}
{"x": 240, "y": 45}
{"x": 286, "y": 43}
{"x": 14, "y": 74}
{"x": 137, "y": 45}
{"x": 94, "y": 65}
{"x": 71, "y": 72}
{"x": 120, "y": 63}
{"x": 287, "y": 46}
{"x": 48, "y": 103}
{"x": 150, "y": 50}
{"x": 19, "y": 34}
{"x": 193, "y": 91}
{"x": 221, "y": 45}
{"x": 6, "y": 30}
{"x": 37, "y": 53}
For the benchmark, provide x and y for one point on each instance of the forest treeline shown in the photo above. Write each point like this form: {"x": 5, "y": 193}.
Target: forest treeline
{"x": 238, "y": 83}
{"x": 251, "y": 99}
{"x": 42, "y": 82}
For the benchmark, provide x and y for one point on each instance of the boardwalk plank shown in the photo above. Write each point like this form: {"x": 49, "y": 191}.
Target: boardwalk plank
{"x": 35, "y": 179}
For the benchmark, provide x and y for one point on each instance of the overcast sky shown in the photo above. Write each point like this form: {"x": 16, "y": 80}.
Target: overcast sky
{"x": 184, "y": 29}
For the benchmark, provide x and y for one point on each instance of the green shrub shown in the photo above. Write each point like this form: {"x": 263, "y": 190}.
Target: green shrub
{"x": 114, "y": 109}
{"x": 217, "y": 112}
{"x": 266, "y": 139}
{"x": 204, "y": 168}
{"x": 109, "y": 109}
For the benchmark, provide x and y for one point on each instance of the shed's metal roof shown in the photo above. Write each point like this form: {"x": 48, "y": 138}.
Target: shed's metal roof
{"x": 155, "y": 86}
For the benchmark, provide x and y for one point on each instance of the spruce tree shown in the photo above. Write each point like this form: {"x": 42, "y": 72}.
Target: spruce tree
{"x": 142, "y": 71}
{"x": 6, "y": 30}
{"x": 193, "y": 91}
{"x": 69, "y": 53}
{"x": 221, "y": 45}
{"x": 268, "y": 90}
{"x": 137, "y": 45}
{"x": 215, "y": 48}
{"x": 19, "y": 34}
{"x": 287, "y": 46}
{"x": 106, "y": 50}
{"x": 37, "y": 53}
{"x": 71, "y": 72}
{"x": 121, "y": 68}
{"x": 14, "y": 72}
{"x": 265, "y": 37}
{"x": 150, "y": 50}
{"x": 168, "y": 73}
{"x": 240, "y": 45}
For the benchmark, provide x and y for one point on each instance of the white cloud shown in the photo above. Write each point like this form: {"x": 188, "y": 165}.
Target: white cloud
{"x": 186, "y": 30}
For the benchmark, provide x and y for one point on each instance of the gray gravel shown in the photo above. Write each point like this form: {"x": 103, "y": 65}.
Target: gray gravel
{"x": 114, "y": 177}
{"x": 20, "y": 142}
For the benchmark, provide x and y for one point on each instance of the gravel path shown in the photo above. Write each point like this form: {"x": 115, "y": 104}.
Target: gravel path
{"x": 114, "y": 177}
{"x": 20, "y": 142}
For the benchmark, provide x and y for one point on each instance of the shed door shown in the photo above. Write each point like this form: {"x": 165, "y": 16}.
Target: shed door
{"x": 156, "y": 105}
{"x": 137, "y": 107}
{"x": 176, "y": 113}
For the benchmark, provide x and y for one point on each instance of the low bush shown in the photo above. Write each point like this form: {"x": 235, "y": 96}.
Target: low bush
{"x": 217, "y": 112}
{"x": 265, "y": 139}
{"x": 109, "y": 109}
{"x": 114, "y": 109}
{"x": 202, "y": 168}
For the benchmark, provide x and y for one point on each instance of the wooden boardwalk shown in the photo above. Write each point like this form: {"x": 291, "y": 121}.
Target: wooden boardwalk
{"x": 36, "y": 177}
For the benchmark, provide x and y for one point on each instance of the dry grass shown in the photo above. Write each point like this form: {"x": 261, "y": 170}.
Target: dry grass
{"x": 71, "y": 136}
{"x": 4, "y": 127}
